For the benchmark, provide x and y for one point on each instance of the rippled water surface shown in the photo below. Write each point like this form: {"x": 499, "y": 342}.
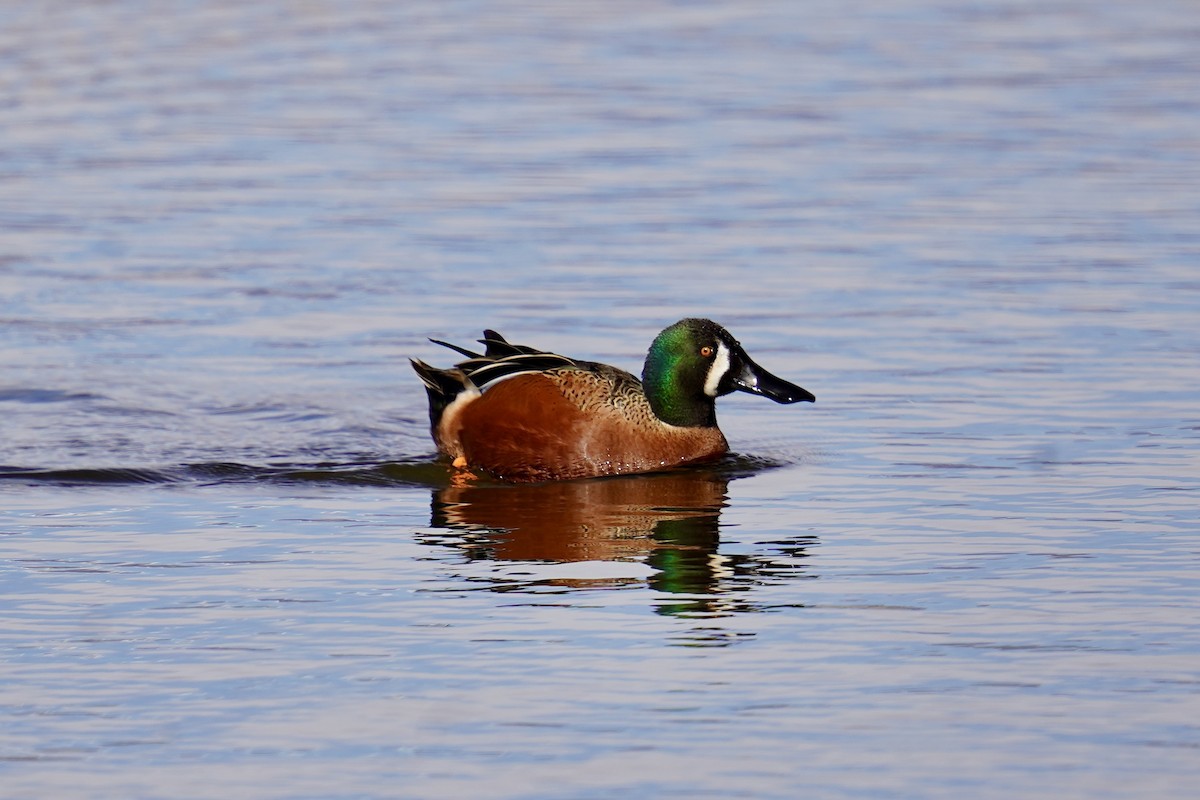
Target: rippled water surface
{"x": 230, "y": 567}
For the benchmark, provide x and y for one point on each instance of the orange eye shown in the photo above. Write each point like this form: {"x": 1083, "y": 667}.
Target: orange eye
{"x": 706, "y": 351}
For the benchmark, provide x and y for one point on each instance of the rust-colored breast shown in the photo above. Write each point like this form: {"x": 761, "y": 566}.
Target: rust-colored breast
{"x": 573, "y": 424}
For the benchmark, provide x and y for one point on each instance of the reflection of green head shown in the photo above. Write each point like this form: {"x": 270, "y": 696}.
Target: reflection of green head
{"x": 676, "y": 370}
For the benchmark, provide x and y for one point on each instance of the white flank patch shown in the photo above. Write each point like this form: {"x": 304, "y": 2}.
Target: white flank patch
{"x": 717, "y": 371}
{"x": 467, "y": 395}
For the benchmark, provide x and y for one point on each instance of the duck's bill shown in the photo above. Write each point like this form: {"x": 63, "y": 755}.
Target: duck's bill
{"x": 754, "y": 379}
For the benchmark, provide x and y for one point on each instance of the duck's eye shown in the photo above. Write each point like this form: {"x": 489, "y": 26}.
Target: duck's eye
{"x": 706, "y": 351}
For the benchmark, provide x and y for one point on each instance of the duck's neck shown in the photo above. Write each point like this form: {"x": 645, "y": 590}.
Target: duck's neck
{"x": 675, "y": 406}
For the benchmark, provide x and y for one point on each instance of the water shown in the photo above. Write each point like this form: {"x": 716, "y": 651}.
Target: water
{"x": 230, "y": 569}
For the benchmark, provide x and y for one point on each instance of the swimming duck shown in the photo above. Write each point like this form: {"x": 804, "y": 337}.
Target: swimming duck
{"x": 527, "y": 415}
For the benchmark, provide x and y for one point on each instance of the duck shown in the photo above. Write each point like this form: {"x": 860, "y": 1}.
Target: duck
{"x": 524, "y": 415}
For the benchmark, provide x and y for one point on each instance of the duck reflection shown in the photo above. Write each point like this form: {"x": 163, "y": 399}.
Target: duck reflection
{"x": 670, "y": 521}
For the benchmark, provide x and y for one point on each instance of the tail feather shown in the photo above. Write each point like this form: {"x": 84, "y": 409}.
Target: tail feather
{"x": 499, "y": 347}
{"x": 500, "y": 360}
{"x": 442, "y": 386}
{"x": 464, "y": 351}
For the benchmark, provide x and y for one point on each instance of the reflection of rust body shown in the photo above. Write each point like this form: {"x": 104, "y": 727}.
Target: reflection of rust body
{"x": 505, "y": 431}
{"x": 669, "y": 521}
{"x": 615, "y": 518}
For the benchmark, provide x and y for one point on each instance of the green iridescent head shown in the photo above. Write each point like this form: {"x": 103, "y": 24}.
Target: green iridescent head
{"x": 695, "y": 361}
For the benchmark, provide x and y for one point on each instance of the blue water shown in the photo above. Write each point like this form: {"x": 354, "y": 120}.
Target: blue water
{"x": 229, "y": 566}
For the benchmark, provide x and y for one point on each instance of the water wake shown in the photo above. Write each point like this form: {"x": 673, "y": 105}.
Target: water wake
{"x": 423, "y": 471}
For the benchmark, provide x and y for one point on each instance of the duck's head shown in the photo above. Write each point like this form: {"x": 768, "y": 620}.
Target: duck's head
{"x": 695, "y": 361}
